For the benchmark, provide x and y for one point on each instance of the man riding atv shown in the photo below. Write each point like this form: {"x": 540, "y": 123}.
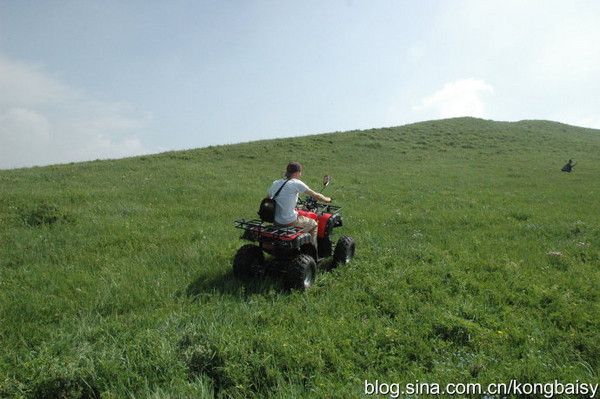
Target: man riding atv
{"x": 297, "y": 234}
{"x": 285, "y": 209}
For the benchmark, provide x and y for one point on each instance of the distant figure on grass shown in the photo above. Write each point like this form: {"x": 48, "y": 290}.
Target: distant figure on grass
{"x": 569, "y": 166}
{"x": 285, "y": 210}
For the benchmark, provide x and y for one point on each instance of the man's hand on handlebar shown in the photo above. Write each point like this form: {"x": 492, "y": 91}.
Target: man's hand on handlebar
{"x": 318, "y": 196}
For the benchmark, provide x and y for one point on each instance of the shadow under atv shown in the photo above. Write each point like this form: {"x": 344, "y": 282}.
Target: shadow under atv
{"x": 228, "y": 284}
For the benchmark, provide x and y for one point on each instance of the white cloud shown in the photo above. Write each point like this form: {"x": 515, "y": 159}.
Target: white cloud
{"x": 44, "y": 121}
{"x": 460, "y": 98}
{"x": 35, "y": 126}
{"x": 23, "y": 136}
{"x": 23, "y": 85}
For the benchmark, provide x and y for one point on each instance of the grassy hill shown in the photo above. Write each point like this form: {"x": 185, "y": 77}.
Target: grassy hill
{"x": 477, "y": 261}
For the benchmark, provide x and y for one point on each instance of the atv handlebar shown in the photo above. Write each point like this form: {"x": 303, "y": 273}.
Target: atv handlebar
{"x": 312, "y": 205}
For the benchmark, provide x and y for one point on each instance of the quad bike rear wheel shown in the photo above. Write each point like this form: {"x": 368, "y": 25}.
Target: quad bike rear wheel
{"x": 301, "y": 272}
{"x": 344, "y": 251}
{"x": 248, "y": 261}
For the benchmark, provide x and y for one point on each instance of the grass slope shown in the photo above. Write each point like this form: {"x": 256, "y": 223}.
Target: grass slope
{"x": 477, "y": 260}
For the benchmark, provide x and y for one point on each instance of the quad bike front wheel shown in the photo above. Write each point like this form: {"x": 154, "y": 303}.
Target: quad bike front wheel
{"x": 301, "y": 272}
{"x": 248, "y": 261}
{"x": 344, "y": 251}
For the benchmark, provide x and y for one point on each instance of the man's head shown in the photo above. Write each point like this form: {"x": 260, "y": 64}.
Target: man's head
{"x": 293, "y": 170}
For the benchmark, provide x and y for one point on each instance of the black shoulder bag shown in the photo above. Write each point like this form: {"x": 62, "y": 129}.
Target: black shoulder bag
{"x": 266, "y": 211}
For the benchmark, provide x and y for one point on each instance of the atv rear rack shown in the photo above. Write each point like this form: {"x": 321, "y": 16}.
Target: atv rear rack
{"x": 257, "y": 227}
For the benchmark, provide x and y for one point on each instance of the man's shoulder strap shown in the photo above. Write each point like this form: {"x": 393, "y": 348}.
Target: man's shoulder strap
{"x": 280, "y": 188}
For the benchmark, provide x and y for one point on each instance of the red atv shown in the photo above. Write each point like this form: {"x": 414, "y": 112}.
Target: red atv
{"x": 295, "y": 255}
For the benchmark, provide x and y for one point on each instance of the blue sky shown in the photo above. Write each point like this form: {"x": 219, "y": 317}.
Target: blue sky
{"x": 83, "y": 80}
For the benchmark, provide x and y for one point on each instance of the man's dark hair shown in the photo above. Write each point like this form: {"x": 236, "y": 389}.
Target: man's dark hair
{"x": 292, "y": 168}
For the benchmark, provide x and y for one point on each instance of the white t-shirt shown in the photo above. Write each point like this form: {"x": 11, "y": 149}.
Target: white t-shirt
{"x": 285, "y": 211}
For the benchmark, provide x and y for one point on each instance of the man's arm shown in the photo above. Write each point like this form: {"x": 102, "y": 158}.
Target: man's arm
{"x": 317, "y": 196}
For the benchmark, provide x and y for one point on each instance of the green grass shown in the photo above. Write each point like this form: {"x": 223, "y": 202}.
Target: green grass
{"x": 477, "y": 261}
